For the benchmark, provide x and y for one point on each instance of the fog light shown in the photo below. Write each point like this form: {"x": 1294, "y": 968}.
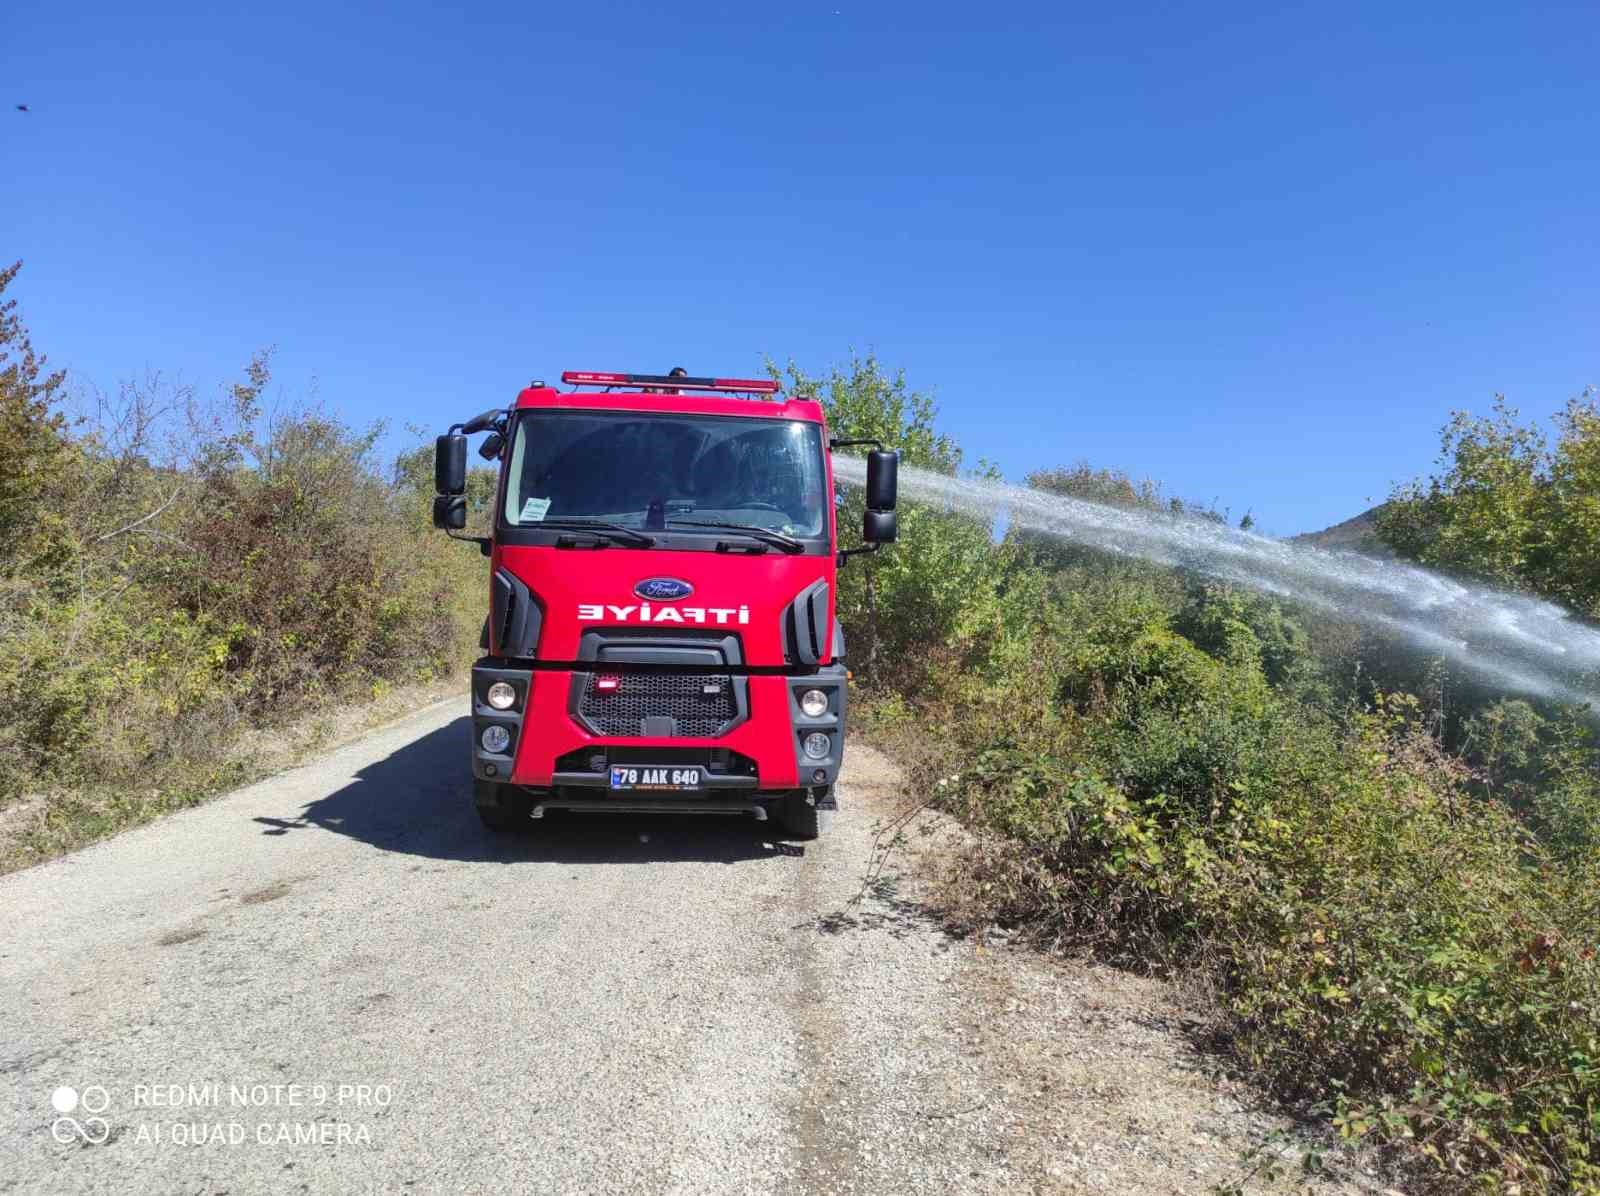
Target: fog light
{"x": 819, "y": 775}
{"x": 816, "y": 745}
{"x": 501, "y": 696}
{"x": 495, "y": 739}
{"x": 814, "y": 703}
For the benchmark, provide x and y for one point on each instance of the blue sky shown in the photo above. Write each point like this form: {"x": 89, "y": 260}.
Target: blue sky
{"x": 1256, "y": 252}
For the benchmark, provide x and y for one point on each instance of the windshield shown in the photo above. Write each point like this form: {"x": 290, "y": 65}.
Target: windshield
{"x": 650, "y": 471}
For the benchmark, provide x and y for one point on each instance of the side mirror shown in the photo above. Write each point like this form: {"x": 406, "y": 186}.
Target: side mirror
{"x": 450, "y": 465}
{"x": 879, "y": 527}
{"x": 450, "y": 512}
{"x": 489, "y": 450}
{"x": 883, "y": 468}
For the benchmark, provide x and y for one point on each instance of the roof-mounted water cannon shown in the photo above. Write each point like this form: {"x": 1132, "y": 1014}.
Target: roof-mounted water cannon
{"x": 482, "y": 423}
{"x": 878, "y": 524}
{"x": 494, "y": 423}
{"x": 671, "y": 383}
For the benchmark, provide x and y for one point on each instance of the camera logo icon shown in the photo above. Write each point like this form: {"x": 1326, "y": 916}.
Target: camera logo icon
{"x": 93, "y": 1130}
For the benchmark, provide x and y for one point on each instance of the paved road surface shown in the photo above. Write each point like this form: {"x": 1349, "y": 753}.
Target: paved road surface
{"x": 615, "y": 1004}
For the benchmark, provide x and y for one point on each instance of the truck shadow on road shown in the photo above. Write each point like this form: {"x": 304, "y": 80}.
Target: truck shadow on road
{"x": 418, "y": 801}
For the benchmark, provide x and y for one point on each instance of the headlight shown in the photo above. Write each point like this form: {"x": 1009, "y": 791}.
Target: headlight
{"x": 816, "y": 745}
{"x": 502, "y": 696}
{"x": 814, "y": 703}
{"x": 495, "y": 739}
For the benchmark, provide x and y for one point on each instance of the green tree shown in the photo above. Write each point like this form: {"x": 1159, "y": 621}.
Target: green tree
{"x": 1508, "y": 507}
{"x": 861, "y": 400}
{"x": 1566, "y": 570}
{"x": 898, "y": 603}
{"x": 1109, "y": 487}
{"x": 413, "y": 482}
{"x": 32, "y": 435}
{"x": 1238, "y": 626}
{"x": 1503, "y": 740}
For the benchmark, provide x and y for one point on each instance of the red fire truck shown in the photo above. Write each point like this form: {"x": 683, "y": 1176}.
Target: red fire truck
{"x": 661, "y": 630}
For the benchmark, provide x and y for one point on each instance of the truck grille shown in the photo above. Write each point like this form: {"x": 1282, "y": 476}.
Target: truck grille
{"x": 700, "y": 705}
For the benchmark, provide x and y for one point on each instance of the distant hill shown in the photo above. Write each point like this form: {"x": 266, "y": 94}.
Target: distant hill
{"x": 1359, "y": 534}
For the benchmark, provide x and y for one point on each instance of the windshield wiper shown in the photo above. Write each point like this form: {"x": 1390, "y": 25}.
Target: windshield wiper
{"x": 765, "y": 534}
{"x": 606, "y": 531}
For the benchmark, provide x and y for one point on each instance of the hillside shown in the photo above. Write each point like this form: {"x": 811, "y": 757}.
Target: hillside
{"x": 1357, "y": 534}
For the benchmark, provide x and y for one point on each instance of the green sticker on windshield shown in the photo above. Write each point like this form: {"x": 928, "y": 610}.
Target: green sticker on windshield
{"x": 533, "y": 511}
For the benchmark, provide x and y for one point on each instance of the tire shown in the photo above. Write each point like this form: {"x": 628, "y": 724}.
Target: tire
{"x": 801, "y": 819}
{"x": 501, "y": 808}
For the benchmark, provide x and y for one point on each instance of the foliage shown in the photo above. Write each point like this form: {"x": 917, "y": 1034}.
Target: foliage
{"x": 31, "y": 433}
{"x": 192, "y": 570}
{"x": 1115, "y": 488}
{"x": 1175, "y": 774}
{"x": 1508, "y": 507}
{"x": 1179, "y": 775}
{"x": 1236, "y": 625}
{"x": 861, "y": 401}
{"x": 1110, "y": 487}
{"x": 939, "y": 570}
{"x": 1387, "y": 941}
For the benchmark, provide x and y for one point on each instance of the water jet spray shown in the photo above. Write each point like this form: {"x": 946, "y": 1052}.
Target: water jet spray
{"x": 1520, "y": 643}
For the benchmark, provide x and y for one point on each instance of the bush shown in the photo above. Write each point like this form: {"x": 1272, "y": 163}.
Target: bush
{"x": 1507, "y": 507}
{"x": 1183, "y": 777}
{"x": 192, "y": 570}
{"x": 897, "y": 605}
{"x": 31, "y": 433}
{"x": 1387, "y": 941}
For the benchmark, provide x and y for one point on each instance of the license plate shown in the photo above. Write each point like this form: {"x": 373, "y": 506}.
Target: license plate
{"x": 658, "y": 778}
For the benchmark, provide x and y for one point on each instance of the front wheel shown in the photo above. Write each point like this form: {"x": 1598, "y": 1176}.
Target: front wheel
{"x": 501, "y": 808}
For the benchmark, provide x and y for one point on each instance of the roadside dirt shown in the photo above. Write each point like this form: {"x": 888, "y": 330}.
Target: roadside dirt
{"x": 257, "y": 752}
{"x": 1076, "y": 1077}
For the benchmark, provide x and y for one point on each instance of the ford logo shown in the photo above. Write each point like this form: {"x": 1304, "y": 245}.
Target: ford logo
{"x": 663, "y": 589}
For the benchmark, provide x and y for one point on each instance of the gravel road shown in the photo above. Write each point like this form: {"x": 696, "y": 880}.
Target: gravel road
{"x": 336, "y": 981}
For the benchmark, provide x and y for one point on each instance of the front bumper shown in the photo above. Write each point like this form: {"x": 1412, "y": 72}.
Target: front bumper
{"x": 677, "y": 805}
{"x": 551, "y": 749}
